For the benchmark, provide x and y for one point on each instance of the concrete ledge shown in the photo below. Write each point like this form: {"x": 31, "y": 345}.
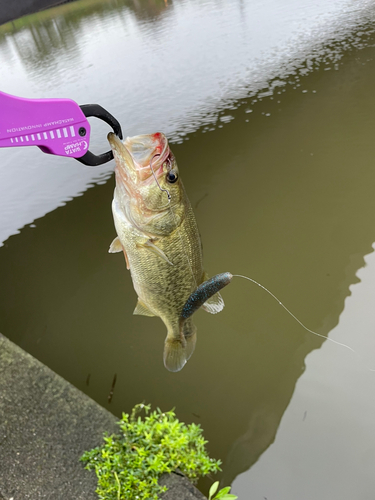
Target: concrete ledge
{"x": 45, "y": 426}
{"x": 179, "y": 488}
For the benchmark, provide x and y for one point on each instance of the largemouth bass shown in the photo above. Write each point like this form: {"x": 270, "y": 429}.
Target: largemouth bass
{"x": 157, "y": 231}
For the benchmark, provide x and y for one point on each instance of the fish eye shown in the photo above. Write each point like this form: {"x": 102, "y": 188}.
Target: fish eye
{"x": 172, "y": 176}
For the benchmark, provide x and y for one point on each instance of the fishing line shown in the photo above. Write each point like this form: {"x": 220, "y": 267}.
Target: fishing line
{"x": 300, "y": 322}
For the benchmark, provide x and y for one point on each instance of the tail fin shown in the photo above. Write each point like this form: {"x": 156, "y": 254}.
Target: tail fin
{"x": 178, "y": 349}
{"x": 190, "y": 344}
{"x": 174, "y": 354}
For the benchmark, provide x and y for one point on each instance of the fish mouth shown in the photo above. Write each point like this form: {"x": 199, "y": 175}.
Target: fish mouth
{"x": 138, "y": 156}
{"x": 117, "y": 145}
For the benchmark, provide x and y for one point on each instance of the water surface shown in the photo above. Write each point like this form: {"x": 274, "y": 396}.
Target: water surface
{"x": 156, "y": 65}
{"x": 282, "y": 184}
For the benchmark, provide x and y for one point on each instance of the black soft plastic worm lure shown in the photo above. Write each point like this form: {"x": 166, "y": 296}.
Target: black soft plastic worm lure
{"x": 203, "y": 293}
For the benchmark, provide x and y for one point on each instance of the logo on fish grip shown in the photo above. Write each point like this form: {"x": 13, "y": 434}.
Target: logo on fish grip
{"x": 75, "y": 147}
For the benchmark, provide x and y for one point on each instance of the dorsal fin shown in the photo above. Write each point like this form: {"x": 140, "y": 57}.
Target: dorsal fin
{"x": 214, "y": 304}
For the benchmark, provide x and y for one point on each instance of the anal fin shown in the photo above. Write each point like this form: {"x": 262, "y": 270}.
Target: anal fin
{"x": 142, "y": 310}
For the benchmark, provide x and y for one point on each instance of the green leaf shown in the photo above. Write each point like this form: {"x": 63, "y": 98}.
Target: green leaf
{"x": 128, "y": 465}
{"x": 223, "y": 492}
{"x": 213, "y": 489}
{"x": 228, "y": 496}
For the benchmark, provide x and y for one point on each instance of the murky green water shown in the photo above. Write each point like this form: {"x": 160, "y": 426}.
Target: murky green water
{"x": 283, "y": 190}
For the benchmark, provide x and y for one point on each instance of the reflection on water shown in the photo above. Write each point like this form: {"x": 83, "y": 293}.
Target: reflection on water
{"x": 41, "y": 43}
{"x": 42, "y": 39}
{"x": 156, "y": 65}
{"x": 318, "y": 442}
{"x": 284, "y": 194}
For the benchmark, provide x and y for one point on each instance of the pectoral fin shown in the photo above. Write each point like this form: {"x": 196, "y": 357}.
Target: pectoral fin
{"x": 156, "y": 250}
{"x": 142, "y": 310}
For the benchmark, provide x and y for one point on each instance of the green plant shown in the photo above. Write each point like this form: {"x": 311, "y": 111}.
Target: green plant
{"x": 223, "y": 494}
{"x": 129, "y": 465}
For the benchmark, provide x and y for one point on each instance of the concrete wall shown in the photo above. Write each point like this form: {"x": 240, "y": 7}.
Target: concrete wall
{"x": 45, "y": 426}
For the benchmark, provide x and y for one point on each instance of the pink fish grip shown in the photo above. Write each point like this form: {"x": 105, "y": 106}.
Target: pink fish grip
{"x": 57, "y": 126}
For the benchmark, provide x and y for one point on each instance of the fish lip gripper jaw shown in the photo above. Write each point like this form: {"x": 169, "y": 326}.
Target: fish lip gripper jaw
{"x": 56, "y": 126}
{"x": 89, "y": 158}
